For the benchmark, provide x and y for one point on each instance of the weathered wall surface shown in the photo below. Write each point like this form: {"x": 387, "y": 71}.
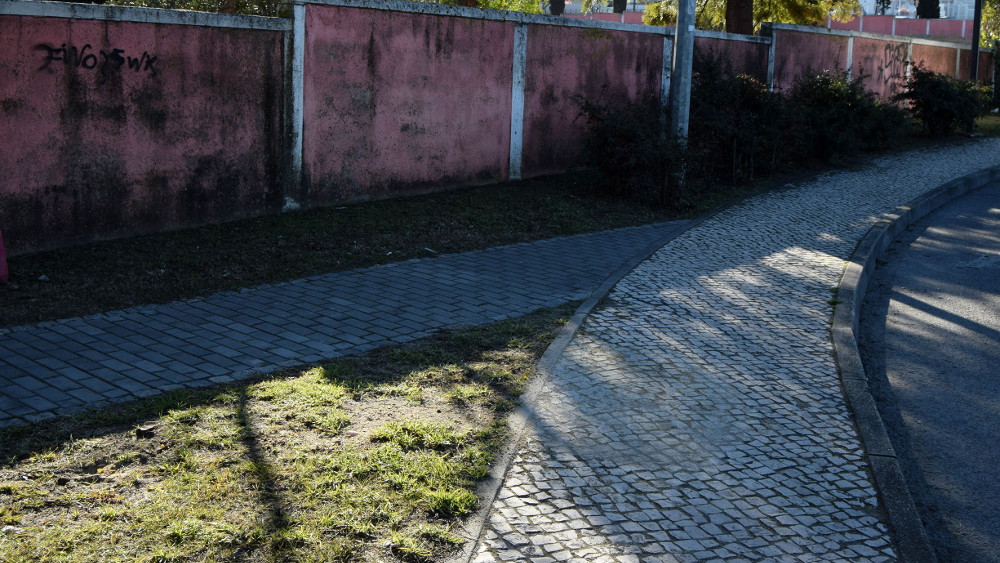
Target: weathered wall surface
{"x": 890, "y": 25}
{"x": 567, "y": 63}
{"x": 985, "y": 66}
{"x": 911, "y": 27}
{"x": 799, "y": 52}
{"x": 883, "y": 62}
{"x": 398, "y": 103}
{"x": 112, "y": 128}
{"x": 117, "y": 121}
{"x": 744, "y": 57}
{"x": 935, "y": 58}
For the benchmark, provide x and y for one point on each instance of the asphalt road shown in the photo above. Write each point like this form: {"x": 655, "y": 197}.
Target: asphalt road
{"x": 930, "y": 340}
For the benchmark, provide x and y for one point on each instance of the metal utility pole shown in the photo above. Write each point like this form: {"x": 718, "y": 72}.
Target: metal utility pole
{"x": 976, "y": 24}
{"x": 680, "y": 74}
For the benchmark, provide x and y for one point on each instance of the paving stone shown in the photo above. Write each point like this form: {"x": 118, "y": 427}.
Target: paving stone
{"x": 706, "y": 378}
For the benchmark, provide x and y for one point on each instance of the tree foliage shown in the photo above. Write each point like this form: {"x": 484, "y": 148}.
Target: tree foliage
{"x": 990, "y": 30}
{"x": 711, "y": 14}
{"x": 928, "y": 9}
{"x": 269, "y": 8}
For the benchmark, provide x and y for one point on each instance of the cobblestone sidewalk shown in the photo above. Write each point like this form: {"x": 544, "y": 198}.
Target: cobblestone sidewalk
{"x": 697, "y": 415}
{"x": 53, "y": 368}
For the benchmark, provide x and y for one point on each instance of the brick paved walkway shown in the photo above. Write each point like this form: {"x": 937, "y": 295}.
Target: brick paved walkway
{"x": 698, "y": 415}
{"x": 58, "y": 367}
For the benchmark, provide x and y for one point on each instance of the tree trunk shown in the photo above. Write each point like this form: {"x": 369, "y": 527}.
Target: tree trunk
{"x": 739, "y": 16}
{"x": 929, "y": 9}
{"x": 556, "y": 7}
{"x": 620, "y": 6}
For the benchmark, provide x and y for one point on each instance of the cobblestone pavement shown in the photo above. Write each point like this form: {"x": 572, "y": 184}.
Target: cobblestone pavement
{"x": 58, "y": 367}
{"x": 697, "y": 415}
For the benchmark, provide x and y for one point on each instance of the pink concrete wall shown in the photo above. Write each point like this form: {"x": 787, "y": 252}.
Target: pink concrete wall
{"x": 942, "y": 59}
{"x": 744, "y": 57}
{"x": 912, "y": 27}
{"x": 876, "y": 24}
{"x": 399, "y": 103}
{"x": 852, "y": 25}
{"x": 883, "y": 64}
{"x": 952, "y": 28}
{"x": 598, "y": 65}
{"x": 906, "y": 26}
{"x": 865, "y": 24}
{"x": 985, "y": 74}
{"x": 114, "y": 128}
{"x": 937, "y": 59}
{"x": 798, "y": 53}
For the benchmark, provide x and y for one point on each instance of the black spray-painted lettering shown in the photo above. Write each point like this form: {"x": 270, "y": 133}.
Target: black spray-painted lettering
{"x": 104, "y": 61}
{"x": 893, "y": 64}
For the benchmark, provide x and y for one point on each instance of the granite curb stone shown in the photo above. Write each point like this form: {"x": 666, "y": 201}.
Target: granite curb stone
{"x": 911, "y": 538}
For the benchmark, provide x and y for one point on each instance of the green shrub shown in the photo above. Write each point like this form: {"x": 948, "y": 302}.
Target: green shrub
{"x": 943, "y": 103}
{"x": 735, "y": 123}
{"x": 739, "y": 130}
{"x": 629, "y": 145}
{"x": 660, "y": 13}
{"x": 833, "y": 115}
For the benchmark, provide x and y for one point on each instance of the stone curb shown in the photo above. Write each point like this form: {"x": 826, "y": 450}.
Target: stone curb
{"x": 521, "y": 419}
{"x": 910, "y": 537}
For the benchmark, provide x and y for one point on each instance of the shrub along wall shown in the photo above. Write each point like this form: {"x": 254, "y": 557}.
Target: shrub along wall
{"x": 881, "y": 60}
{"x": 119, "y": 121}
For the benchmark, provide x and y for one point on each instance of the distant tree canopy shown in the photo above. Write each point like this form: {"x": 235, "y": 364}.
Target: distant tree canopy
{"x": 990, "y": 30}
{"x": 928, "y": 9}
{"x": 745, "y": 16}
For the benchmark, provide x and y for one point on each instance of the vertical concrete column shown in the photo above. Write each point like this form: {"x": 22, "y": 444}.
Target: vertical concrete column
{"x": 850, "y": 55}
{"x": 680, "y": 81}
{"x": 517, "y": 99}
{"x": 297, "y": 86}
{"x": 770, "y": 57}
{"x": 668, "y": 56}
{"x": 909, "y": 60}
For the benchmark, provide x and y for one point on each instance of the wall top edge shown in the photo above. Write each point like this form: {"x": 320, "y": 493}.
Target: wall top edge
{"x": 732, "y": 36}
{"x": 139, "y": 15}
{"x": 865, "y": 35}
{"x": 412, "y": 7}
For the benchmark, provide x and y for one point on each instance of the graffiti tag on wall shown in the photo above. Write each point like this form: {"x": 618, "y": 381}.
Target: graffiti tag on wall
{"x": 893, "y": 64}
{"x": 103, "y": 62}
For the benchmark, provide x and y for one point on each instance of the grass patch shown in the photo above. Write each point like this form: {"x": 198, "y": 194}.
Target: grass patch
{"x": 324, "y": 463}
{"x": 988, "y": 125}
{"x": 165, "y": 267}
